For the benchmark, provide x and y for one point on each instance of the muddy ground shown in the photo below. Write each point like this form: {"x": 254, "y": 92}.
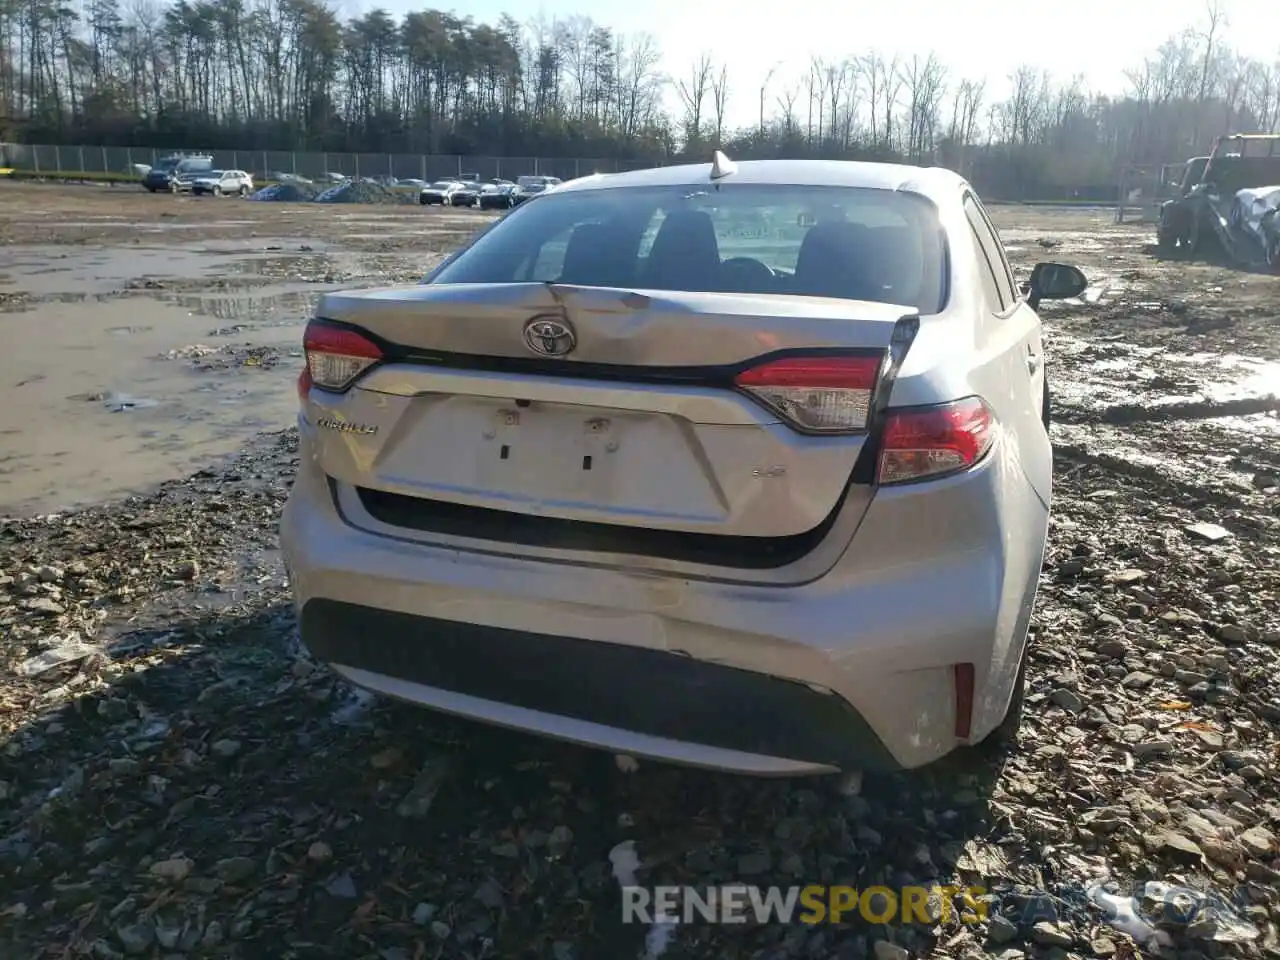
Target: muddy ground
{"x": 189, "y": 784}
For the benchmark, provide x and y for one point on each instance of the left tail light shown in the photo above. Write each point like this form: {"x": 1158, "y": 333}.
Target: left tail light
{"x": 336, "y": 357}
{"x": 829, "y": 394}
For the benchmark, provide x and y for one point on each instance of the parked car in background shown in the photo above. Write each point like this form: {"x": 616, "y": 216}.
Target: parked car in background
{"x": 466, "y": 194}
{"x": 168, "y": 171}
{"x": 533, "y": 185}
{"x": 282, "y": 177}
{"x": 219, "y": 183}
{"x": 798, "y": 529}
{"x": 439, "y": 192}
{"x": 184, "y": 183}
{"x": 501, "y": 197}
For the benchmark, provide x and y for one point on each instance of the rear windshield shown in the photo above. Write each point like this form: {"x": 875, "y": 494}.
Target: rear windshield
{"x": 847, "y": 243}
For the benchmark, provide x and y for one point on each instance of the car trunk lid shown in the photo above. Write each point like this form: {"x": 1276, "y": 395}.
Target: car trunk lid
{"x": 640, "y": 425}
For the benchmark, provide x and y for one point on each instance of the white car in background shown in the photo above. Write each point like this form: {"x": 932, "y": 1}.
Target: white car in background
{"x": 533, "y": 185}
{"x": 220, "y": 183}
{"x": 441, "y": 192}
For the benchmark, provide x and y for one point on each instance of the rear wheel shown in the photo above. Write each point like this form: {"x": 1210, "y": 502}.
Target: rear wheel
{"x": 244, "y": 191}
{"x": 1166, "y": 239}
{"x": 217, "y": 190}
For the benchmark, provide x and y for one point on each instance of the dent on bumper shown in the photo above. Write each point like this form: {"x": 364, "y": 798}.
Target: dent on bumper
{"x": 870, "y": 645}
{"x": 652, "y": 694}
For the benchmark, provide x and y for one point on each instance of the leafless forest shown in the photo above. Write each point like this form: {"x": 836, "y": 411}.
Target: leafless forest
{"x": 289, "y": 74}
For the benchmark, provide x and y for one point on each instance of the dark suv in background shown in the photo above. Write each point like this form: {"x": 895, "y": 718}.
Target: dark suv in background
{"x": 168, "y": 171}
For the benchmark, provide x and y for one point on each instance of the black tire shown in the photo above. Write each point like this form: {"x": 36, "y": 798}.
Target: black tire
{"x": 244, "y": 191}
{"x": 151, "y": 189}
{"x": 1166, "y": 240}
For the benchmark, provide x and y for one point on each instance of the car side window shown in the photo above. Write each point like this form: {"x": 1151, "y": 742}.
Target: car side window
{"x": 993, "y": 253}
{"x": 1004, "y": 273}
{"x": 986, "y": 269}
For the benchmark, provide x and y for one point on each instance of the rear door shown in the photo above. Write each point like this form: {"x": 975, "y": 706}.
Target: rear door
{"x": 1015, "y": 331}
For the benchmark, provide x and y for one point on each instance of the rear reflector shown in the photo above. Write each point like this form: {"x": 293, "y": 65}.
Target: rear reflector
{"x": 928, "y": 442}
{"x": 336, "y": 356}
{"x": 816, "y": 394}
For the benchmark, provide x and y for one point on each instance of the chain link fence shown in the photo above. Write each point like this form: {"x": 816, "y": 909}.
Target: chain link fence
{"x": 264, "y": 164}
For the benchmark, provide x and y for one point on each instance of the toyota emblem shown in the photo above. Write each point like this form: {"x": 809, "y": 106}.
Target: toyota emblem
{"x": 550, "y": 338}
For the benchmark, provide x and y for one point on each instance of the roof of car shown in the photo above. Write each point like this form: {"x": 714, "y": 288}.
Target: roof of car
{"x": 932, "y": 182}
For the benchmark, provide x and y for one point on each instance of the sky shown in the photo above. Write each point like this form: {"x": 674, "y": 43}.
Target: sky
{"x": 982, "y": 38}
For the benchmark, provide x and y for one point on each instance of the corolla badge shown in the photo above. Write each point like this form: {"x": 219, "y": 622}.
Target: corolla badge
{"x": 342, "y": 426}
{"x": 550, "y": 338}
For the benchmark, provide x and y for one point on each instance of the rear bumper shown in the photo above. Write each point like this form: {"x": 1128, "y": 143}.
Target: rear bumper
{"x": 853, "y": 670}
{"x": 631, "y": 699}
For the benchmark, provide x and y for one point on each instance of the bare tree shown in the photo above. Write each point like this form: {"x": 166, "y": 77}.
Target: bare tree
{"x": 873, "y": 70}
{"x": 693, "y": 94}
{"x": 1027, "y": 107}
{"x": 787, "y": 103}
{"x": 1262, "y": 96}
{"x": 842, "y": 79}
{"x": 890, "y": 89}
{"x": 640, "y": 88}
{"x": 816, "y": 86}
{"x": 720, "y": 98}
{"x": 966, "y": 104}
{"x": 1216, "y": 13}
{"x": 925, "y": 81}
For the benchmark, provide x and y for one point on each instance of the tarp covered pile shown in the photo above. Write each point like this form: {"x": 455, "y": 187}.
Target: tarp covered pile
{"x": 1256, "y": 211}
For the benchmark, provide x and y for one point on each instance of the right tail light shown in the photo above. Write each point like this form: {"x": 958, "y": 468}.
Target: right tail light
{"x": 928, "y": 442}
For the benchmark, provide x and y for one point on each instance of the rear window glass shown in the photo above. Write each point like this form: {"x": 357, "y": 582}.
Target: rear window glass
{"x": 847, "y": 243}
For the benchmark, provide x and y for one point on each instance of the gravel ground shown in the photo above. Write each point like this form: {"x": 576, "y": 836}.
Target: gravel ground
{"x": 189, "y": 784}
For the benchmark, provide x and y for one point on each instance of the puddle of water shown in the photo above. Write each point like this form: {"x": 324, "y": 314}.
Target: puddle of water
{"x": 124, "y": 402}
{"x": 1108, "y": 373}
{"x": 1237, "y": 376}
{"x": 269, "y": 306}
{"x": 53, "y": 271}
{"x": 89, "y": 413}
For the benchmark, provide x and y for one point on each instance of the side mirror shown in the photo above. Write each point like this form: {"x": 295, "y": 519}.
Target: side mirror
{"x": 1054, "y": 281}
